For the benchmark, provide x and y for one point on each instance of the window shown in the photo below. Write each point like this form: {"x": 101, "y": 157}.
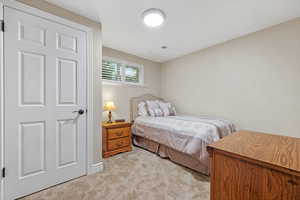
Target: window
{"x": 111, "y": 71}
{"x": 132, "y": 74}
{"x": 117, "y": 71}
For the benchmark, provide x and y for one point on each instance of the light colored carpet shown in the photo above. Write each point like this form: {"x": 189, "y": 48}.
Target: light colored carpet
{"x": 132, "y": 176}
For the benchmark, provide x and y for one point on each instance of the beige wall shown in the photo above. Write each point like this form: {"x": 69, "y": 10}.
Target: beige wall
{"x": 97, "y": 49}
{"x": 121, "y": 94}
{"x": 253, "y": 80}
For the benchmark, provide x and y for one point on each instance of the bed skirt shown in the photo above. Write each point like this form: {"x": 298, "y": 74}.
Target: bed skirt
{"x": 166, "y": 152}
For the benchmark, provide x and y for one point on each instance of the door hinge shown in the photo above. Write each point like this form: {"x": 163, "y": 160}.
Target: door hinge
{"x": 2, "y": 25}
{"x": 3, "y": 172}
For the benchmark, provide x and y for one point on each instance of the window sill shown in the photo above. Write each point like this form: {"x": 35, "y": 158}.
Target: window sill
{"x": 114, "y": 83}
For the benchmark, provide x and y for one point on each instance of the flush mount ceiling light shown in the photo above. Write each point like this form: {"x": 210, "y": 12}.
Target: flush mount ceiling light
{"x": 153, "y": 17}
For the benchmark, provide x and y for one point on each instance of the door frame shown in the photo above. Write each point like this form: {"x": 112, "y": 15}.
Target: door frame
{"x": 1, "y": 107}
{"x": 91, "y": 167}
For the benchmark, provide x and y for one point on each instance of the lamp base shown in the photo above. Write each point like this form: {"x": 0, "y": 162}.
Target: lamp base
{"x": 109, "y": 117}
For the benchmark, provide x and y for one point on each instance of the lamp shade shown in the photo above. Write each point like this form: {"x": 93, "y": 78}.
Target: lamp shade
{"x": 109, "y": 106}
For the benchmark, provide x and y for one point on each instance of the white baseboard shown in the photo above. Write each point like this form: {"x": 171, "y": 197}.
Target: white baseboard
{"x": 1, "y": 190}
{"x": 98, "y": 167}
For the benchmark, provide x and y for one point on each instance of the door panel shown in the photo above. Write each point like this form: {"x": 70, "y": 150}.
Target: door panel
{"x": 32, "y": 75}
{"x": 45, "y": 69}
{"x": 32, "y": 156}
{"x": 31, "y": 34}
{"x": 67, "y": 81}
{"x": 67, "y": 140}
{"x": 66, "y": 42}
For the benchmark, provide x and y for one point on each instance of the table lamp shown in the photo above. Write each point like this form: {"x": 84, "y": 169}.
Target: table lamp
{"x": 109, "y": 106}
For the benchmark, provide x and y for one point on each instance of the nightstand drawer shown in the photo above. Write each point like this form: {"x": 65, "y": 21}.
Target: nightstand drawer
{"x": 118, "y": 133}
{"x": 118, "y": 143}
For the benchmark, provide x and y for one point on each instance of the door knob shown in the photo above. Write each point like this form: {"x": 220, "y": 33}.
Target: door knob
{"x": 80, "y": 112}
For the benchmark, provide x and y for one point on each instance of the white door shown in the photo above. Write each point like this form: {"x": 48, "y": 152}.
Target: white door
{"x": 45, "y": 82}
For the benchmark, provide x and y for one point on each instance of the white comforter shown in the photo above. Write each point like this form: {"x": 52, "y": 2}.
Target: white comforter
{"x": 186, "y": 134}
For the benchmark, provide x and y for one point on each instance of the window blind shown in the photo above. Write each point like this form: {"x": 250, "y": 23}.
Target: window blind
{"x": 111, "y": 70}
{"x": 114, "y": 70}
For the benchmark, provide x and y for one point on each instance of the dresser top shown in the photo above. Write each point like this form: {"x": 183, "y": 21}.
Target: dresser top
{"x": 116, "y": 124}
{"x": 280, "y": 151}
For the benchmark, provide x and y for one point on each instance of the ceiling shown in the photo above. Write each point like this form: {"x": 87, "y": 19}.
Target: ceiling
{"x": 191, "y": 24}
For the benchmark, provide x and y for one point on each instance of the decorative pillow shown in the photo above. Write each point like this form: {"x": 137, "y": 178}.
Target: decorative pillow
{"x": 172, "y": 110}
{"x": 154, "y": 109}
{"x": 142, "y": 111}
{"x": 167, "y": 108}
{"x": 158, "y": 112}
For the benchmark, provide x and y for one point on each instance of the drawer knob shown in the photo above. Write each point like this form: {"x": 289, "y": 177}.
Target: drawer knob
{"x": 119, "y": 133}
{"x": 292, "y": 182}
{"x": 120, "y": 144}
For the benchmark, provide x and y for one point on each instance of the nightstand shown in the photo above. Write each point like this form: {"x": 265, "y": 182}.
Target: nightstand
{"x": 116, "y": 138}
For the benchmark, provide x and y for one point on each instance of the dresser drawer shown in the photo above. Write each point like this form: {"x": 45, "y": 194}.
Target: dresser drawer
{"x": 118, "y": 133}
{"x": 118, "y": 143}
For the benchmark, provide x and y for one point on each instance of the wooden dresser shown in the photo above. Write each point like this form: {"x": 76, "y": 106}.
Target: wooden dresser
{"x": 116, "y": 138}
{"x": 255, "y": 166}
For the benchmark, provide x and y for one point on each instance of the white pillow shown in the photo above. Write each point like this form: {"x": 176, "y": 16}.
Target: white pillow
{"x": 173, "y": 110}
{"x": 142, "y": 111}
{"x": 154, "y": 109}
{"x": 167, "y": 108}
{"x": 158, "y": 112}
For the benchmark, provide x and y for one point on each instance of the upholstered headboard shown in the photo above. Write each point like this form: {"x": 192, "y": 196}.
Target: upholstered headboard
{"x": 134, "y": 102}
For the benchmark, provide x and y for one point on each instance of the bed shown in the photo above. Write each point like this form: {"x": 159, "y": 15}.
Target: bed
{"x": 182, "y": 139}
